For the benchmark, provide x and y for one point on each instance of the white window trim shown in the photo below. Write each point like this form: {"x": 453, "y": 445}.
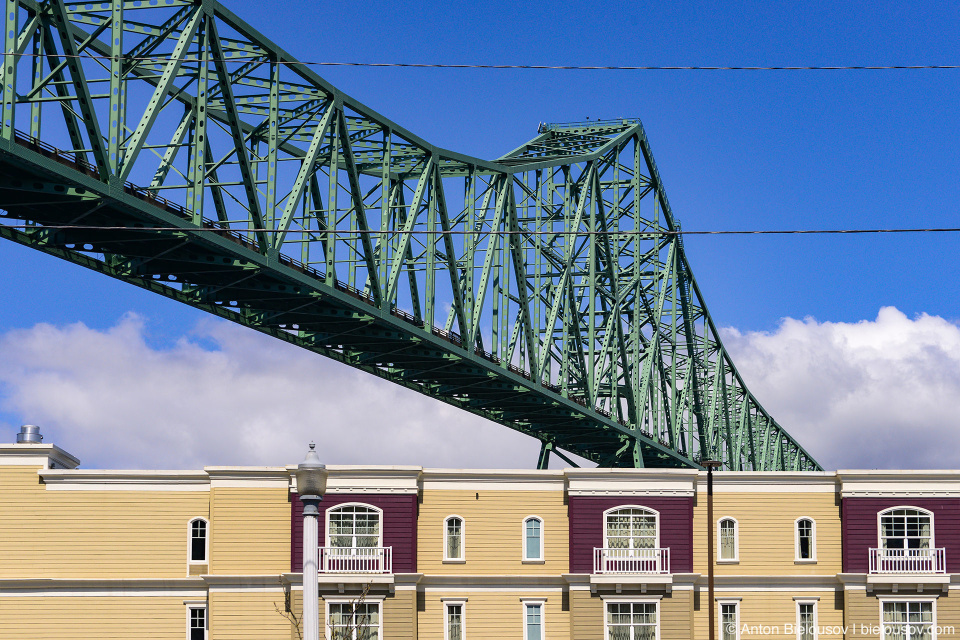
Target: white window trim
{"x": 911, "y": 598}
{"x": 913, "y": 508}
{"x": 326, "y": 532}
{"x": 367, "y": 600}
{"x": 206, "y": 543}
{"x": 454, "y": 602}
{"x": 796, "y": 541}
{"x": 655, "y": 600}
{"x": 736, "y": 603}
{"x": 463, "y": 540}
{"x": 542, "y": 602}
{"x": 653, "y": 512}
{"x": 197, "y": 604}
{"x": 816, "y": 614}
{"x": 523, "y": 541}
{"x": 736, "y": 542}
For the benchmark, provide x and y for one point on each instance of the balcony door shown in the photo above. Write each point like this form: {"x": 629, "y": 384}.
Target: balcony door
{"x": 354, "y": 541}
{"x": 908, "y": 529}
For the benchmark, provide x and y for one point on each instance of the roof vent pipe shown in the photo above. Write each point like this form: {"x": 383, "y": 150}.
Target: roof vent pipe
{"x": 29, "y": 434}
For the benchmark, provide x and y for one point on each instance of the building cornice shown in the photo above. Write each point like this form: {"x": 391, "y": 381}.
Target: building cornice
{"x": 631, "y": 482}
{"x": 493, "y": 480}
{"x": 344, "y": 478}
{"x": 899, "y": 484}
{"x": 127, "y": 480}
{"x": 47, "y": 456}
{"x": 248, "y": 477}
{"x": 770, "y": 482}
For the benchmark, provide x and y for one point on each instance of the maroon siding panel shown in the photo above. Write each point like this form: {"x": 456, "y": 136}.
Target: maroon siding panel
{"x": 399, "y": 526}
{"x": 860, "y": 528}
{"x": 586, "y": 528}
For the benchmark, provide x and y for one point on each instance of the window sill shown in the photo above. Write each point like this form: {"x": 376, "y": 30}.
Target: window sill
{"x": 454, "y": 561}
{"x": 730, "y": 561}
{"x": 533, "y": 561}
{"x": 806, "y": 561}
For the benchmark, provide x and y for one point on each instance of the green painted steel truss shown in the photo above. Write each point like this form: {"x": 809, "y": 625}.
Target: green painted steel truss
{"x": 170, "y": 145}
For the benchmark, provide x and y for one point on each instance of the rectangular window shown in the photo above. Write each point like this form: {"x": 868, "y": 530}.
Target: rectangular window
{"x": 908, "y": 620}
{"x": 631, "y": 621}
{"x": 532, "y": 539}
{"x": 729, "y": 622}
{"x": 806, "y": 621}
{"x": 454, "y": 629}
{"x": 197, "y": 629}
{"x": 354, "y": 620}
{"x": 533, "y": 622}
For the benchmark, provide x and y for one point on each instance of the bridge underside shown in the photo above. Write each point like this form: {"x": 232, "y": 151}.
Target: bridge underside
{"x": 173, "y": 147}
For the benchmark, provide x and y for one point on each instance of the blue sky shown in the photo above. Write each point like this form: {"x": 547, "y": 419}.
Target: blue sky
{"x": 736, "y": 149}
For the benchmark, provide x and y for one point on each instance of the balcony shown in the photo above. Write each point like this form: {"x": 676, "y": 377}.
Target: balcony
{"x": 908, "y": 561}
{"x": 356, "y": 559}
{"x": 631, "y": 561}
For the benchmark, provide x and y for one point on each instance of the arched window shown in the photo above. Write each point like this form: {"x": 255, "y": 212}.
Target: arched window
{"x": 453, "y": 539}
{"x": 805, "y": 540}
{"x": 632, "y": 528}
{"x": 906, "y": 528}
{"x": 354, "y": 526}
{"x": 727, "y": 543}
{"x": 198, "y": 540}
{"x": 533, "y": 539}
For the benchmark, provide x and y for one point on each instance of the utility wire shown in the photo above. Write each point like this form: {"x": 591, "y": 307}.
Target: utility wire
{"x": 547, "y": 67}
{"x": 503, "y": 232}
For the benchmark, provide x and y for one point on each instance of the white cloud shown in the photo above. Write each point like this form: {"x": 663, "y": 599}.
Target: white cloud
{"x": 871, "y": 394}
{"x": 111, "y": 399}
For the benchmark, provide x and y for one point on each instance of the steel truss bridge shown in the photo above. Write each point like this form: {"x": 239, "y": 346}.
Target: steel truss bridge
{"x": 169, "y": 144}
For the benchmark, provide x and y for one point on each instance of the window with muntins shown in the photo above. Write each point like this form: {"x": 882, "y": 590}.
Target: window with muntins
{"x": 454, "y": 629}
{"x": 453, "y": 538}
{"x": 631, "y": 528}
{"x": 729, "y": 621}
{"x": 533, "y": 622}
{"x": 727, "y": 535}
{"x": 806, "y": 539}
{"x": 533, "y": 538}
{"x": 198, "y": 540}
{"x": 197, "y": 629}
{"x": 908, "y": 620}
{"x": 354, "y": 620}
{"x": 354, "y": 525}
{"x": 806, "y": 621}
{"x": 631, "y": 621}
{"x": 906, "y": 529}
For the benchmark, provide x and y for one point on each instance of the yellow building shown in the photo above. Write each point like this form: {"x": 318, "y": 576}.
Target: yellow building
{"x": 408, "y": 552}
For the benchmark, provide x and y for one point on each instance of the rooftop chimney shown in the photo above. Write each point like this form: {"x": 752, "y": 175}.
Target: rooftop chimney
{"x": 29, "y": 434}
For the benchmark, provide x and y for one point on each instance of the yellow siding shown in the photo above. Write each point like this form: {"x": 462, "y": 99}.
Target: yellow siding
{"x": 494, "y": 615}
{"x": 587, "y": 614}
{"x": 766, "y": 532}
{"x": 771, "y": 614}
{"x": 400, "y": 615}
{"x": 248, "y": 615}
{"x": 863, "y": 612}
{"x": 250, "y": 531}
{"x": 102, "y": 534}
{"x": 59, "y": 618}
{"x": 493, "y": 540}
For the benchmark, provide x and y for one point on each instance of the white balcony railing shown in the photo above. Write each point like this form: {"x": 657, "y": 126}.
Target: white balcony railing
{"x": 649, "y": 561}
{"x": 908, "y": 560}
{"x": 356, "y": 559}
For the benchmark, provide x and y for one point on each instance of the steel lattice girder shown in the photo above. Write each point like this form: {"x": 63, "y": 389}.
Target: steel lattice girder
{"x": 544, "y": 290}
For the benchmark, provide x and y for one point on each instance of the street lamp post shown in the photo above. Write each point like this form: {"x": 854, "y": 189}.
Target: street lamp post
{"x": 710, "y": 465}
{"x": 311, "y": 483}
